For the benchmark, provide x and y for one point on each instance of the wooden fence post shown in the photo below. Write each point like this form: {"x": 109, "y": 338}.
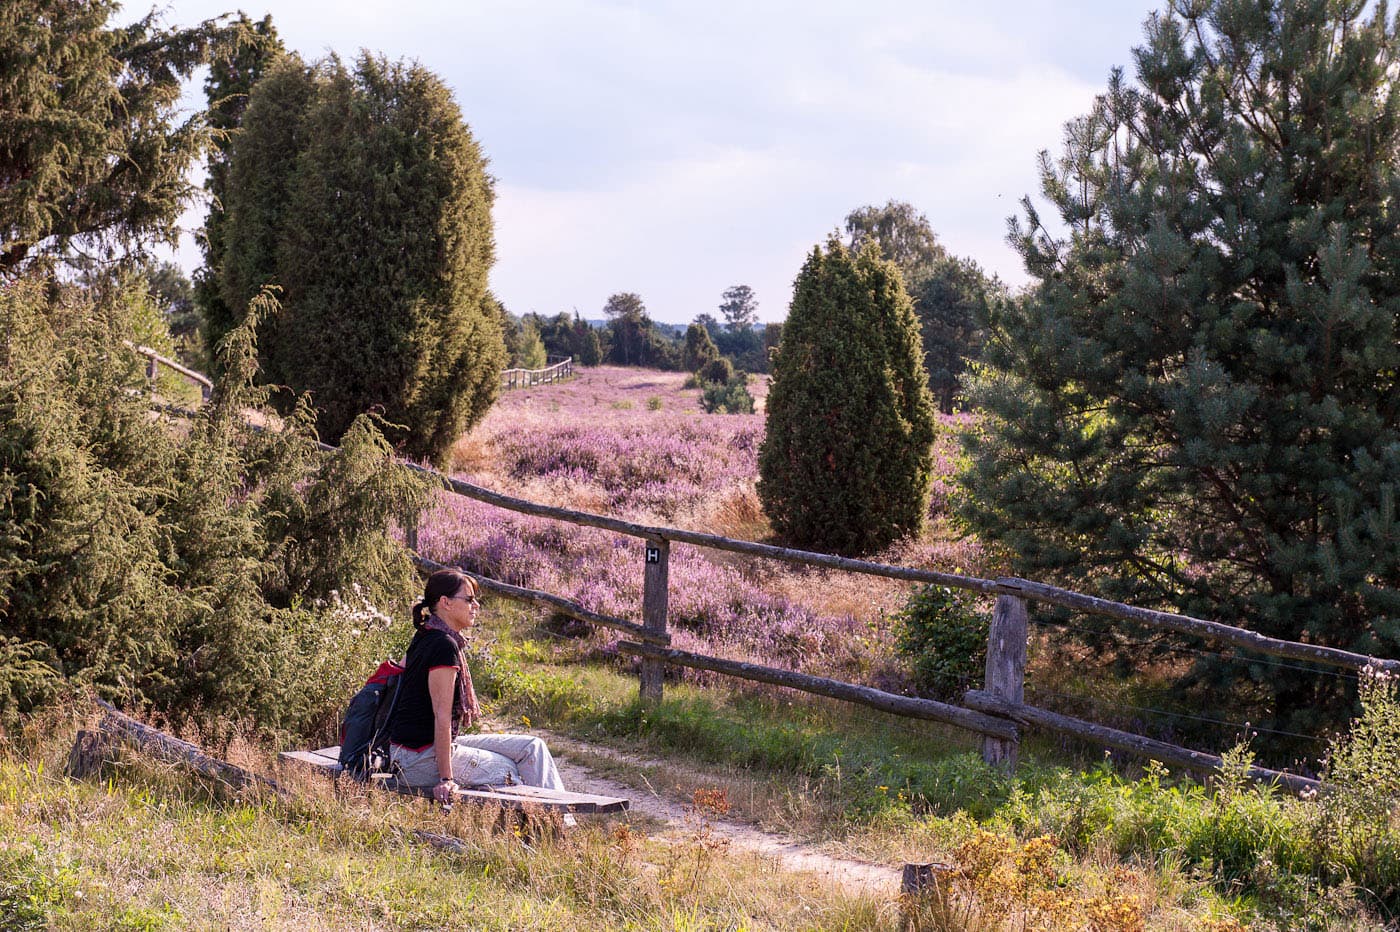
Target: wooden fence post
{"x": 1006, "y": 671}
{"x": 410, "y": 531}
{"x": 654, "y": 598}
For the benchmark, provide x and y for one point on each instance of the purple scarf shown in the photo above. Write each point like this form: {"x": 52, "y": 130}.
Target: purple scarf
{"x": 466, "y": 694}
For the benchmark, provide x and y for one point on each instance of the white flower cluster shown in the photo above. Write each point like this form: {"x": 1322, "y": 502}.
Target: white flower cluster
{"x": 355, "y": 613}
{"x": 1377, "y": 674}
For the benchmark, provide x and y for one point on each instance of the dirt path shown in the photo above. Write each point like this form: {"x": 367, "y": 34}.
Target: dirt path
{"x": 677, "y": 816}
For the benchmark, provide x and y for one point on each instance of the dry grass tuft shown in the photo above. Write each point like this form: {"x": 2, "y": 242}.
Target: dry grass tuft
{"x": 738, "y": 514}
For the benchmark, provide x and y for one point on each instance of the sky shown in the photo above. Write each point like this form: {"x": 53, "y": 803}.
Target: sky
{"x": 676, "y": 149}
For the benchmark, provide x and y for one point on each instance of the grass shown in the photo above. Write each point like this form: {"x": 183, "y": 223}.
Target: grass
{"x": 1070, "y": 841}
{"x": 149, "y": 848}
{"x": 863, "y": 784}
{"x": 1057, "y": 846}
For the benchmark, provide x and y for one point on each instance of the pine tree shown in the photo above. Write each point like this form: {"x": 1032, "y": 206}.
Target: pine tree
{"x": 363, "y": 195}
{"x": 845, "y": 462}
{"x": 1196, "y": 406}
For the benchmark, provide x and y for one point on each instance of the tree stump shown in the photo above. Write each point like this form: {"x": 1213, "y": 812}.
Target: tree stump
{"x": 91, "y": 749}
{"x": 925, "y": 897}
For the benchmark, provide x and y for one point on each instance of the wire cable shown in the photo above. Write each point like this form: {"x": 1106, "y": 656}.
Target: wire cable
{"x": 1233, "y": 657}
{"x": 1243, "y": 726}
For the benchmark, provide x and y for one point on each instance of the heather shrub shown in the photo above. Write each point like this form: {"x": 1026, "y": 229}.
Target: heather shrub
{"x": 655, "y": 465}
{"x": 945, "y": 638}
{"x": 845, "y": 463}
{"x": 711, "y": 604}
{"x": 569, "y": 445}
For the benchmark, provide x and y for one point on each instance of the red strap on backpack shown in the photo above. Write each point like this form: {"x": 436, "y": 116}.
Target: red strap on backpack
{"x": 386, "y": 669}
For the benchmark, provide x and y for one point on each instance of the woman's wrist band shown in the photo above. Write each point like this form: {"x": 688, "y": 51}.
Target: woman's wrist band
{"x": 444, "y": 779}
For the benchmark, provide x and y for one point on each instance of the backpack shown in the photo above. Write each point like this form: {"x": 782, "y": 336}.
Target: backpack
{"x": 364, "y": 733}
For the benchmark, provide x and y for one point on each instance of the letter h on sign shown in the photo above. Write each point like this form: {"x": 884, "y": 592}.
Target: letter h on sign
{"x": 653, "y": 554}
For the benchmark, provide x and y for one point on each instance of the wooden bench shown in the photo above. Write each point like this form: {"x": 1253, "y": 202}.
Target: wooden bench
{"x": 515, "y": 797}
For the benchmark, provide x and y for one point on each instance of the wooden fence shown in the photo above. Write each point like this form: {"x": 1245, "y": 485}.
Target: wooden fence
{"x": 520, "y": 378}
{"x": 996, "y": 712}
{"x": 155, "y": 360}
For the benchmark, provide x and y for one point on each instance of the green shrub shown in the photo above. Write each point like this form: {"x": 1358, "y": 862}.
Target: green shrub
{"x": 1356, "y": 820}
{"x": 29, "y": 677}
{"x": 654, "y": 403}
{"x": 30, "y": 891}
{"x": 191, "y": 568}
{"x": 730, "y": 397}
{"x": 945, "y": 639}
{"x": 719, "y": 370}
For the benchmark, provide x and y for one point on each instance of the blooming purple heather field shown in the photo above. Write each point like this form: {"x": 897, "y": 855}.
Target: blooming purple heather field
{"x": 635, "y": 444}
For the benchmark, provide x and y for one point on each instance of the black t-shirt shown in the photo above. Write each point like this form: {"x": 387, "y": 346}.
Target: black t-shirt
{"x": 411, "y": 723}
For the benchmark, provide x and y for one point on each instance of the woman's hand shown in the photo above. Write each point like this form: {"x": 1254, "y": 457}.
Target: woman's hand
{"x": 444, "y": 790}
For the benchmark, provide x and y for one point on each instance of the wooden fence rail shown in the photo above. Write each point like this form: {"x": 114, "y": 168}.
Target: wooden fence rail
{"x": 907, "y": 706}
{"x": 993, "y": 712}
{"x": 155, "y": 360}
{"x": 520, "y": 378}
{"x": 1197, "y": 761}
{"x": 988, "y": 711}
{"x": 1012, "y": 586}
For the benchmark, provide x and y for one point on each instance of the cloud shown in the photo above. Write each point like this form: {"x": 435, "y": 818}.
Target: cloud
{"x": 675, "y": 148}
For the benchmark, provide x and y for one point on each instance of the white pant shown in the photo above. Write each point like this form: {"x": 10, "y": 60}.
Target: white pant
{"x": 483, "y": 760}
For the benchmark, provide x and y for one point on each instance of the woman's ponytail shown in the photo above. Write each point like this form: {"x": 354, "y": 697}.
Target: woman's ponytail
{"x": 442, "y": 583}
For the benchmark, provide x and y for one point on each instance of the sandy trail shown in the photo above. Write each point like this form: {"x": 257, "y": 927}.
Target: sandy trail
{"x": 677, "y": 814}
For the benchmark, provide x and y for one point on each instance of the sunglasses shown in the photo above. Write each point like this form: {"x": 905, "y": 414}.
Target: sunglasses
{"x": 466, "y": 598}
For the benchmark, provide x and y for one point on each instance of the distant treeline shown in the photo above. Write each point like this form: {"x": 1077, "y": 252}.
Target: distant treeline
{"x": 631, "y": 338}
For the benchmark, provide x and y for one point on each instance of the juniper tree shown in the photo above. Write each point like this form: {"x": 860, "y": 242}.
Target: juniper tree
{"x": 252, "y": 48}
{"x": 845, "y": 461}
{"x": 949, "y": 292}
{"x": 91, "y": 152}
{"x": 1196, "y": 406}
{"x": 698, "y": 349}
{"x": 247, "y": 228}
{"x": 362, "y": 194}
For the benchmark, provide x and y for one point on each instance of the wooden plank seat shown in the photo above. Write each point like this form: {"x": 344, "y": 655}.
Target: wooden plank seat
{"x": 327, "y": 761}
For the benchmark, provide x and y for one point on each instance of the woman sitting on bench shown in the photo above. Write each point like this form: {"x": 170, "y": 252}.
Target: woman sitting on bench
{"x": 436, "y": 699}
